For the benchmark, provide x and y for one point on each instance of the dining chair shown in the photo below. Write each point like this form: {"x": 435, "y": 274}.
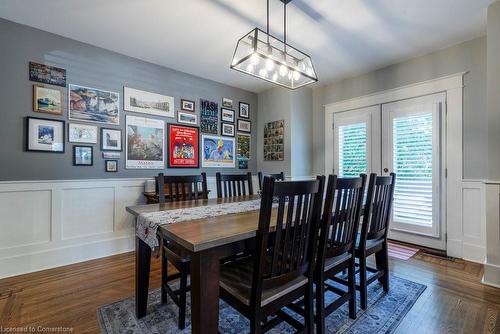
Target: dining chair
{"x": 373, "y": 235}
{"x": 281, "y": 269}
{"x": 338, "y": 228}
{"x": 180, "y": 188}
{"x": 277, "y": 176}
{"x": 230, "y": 185}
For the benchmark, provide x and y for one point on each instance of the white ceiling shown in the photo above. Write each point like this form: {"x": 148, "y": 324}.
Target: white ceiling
{"x": 343, "y": 37}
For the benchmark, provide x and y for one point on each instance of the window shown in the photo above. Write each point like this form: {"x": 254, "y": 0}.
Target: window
{"x": 352, "y": 149}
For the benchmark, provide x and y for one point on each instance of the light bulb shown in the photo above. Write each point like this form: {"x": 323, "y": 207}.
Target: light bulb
{"x": 275, "y": 76}
{"x": 255, "y": 59}
{"x": 283, "y": 70}
{"x": 269, "y": 65}
{"x": 296, "y": 75}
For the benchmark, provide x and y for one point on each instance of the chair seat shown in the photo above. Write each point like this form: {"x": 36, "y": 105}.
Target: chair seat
{"x": 236, "y": 279}
{"x": 370, "y": 244}
{"x": 335, "y": 261}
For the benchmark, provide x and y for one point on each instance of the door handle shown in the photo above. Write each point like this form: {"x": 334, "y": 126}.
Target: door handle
{"x": 386, "y": 170}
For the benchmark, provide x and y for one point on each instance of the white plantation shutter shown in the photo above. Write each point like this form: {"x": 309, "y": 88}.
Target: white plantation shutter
{"x": 413, "y": 165}
{"x": 352, "y": 149}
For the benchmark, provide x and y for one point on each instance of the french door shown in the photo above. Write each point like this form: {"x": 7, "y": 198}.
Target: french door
{"x": 404, "y": 137}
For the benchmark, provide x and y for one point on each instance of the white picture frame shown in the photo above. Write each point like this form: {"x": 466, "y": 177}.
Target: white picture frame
{"x": 244, "y": 126}
{"x": 139, "y": 101}
{"x": 82, "y": 133}
{"x": 146, "y": 134}
{"x": 111, "y": 139}
{"x": 218, "y": 158}
{"x": 83, "y": 105}
{"x": 227, "y": 115}
{"x": 187, "y": 118}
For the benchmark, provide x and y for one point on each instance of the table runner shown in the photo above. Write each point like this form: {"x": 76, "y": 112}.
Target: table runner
{"x": 147, "y": 223}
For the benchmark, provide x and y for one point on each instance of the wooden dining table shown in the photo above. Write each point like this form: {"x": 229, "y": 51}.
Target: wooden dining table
{"x": 207, "y": 241}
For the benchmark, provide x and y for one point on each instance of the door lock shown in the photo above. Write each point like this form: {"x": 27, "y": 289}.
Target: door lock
{"x": 386, "y": 170}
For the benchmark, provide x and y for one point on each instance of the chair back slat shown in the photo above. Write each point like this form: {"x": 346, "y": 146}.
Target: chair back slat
{"x": 181, "y": 187}
{"x": 278, "y": 176}
{"x": 378, "y": 208}
{"x": 234, "y": 185}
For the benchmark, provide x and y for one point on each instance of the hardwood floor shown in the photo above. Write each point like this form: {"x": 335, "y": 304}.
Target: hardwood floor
{"x": 454, "y": 302}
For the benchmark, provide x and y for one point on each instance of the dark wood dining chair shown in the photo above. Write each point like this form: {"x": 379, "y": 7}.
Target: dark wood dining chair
{"x": 281, "y": 270}
{"x": 373, "y": 236}
{"x": 338, "y": 229}
{"x": 277, "y": 176}
{"x": 179, "y": 188}
{"x": 230, "y": 185}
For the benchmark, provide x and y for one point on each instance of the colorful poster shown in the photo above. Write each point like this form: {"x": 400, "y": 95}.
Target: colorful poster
{"x": 218, "y": 151}
{"x": 243, "y": 146}
{"x": 145, "y": 149}
{"x": 209, "y": 117}
{"x": 47, "y": 74}
{"x": 183, "y": 146}
{"x": 274, "y": 149}
{"x": 93, "y": 105}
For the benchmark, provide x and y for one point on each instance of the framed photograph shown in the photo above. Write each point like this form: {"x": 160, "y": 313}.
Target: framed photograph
{"x": 148, "y": 103}
{"x": 218, "y": 151}
{"x": 48, "y": 100}
{"x": 244, "y": 126}
{"x": 243, "y": 146}
{"x": 209, "y": 117}
{"x": 83, "y": 155}
{"x": 183, "y": 146}
{"x": 227, "y": 115}
{"x": 111, "y": 139}
{"x": 144, "y": 146}
{"x": 227, "y": 129}
{"x": 187, "y": 118}
{"x": 44, "y": 135}
{"x": 227, "y": 103}
{"x": 47, "y": 74}
{"x": 111, "y": 166}
{"x": 111, "y": 155}
{"x": 187, "y": 105}
{"x": 244, "y": 110}
{"x": 81, "y": 133}
{"x": 274, "y": 148}
{"x": 93, "y": 105}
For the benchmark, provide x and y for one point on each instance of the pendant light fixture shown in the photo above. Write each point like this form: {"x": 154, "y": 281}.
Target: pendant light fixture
{"x": 264, "y": 56}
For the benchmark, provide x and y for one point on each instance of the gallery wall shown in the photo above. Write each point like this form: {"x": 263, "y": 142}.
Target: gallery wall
{"x": 95, "y": 67}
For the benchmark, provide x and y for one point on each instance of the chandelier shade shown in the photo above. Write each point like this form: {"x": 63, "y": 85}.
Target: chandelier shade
{"x": 264, "y": 56}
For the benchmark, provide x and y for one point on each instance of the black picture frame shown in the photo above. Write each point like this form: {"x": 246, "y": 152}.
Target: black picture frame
{"x": 102, "y": 140}
{"x": 106, "y": 166}
{"x": 91, "y": 155}
{"x": 189, "y": 101}
{"x": 230, "y": 110}
{"x": 222, "y": 129}
{"x": 27, "y": 135}
{"x": 167, "y": 149}
{"x": 246, "y": 121}
{"x": 248, "y": 108}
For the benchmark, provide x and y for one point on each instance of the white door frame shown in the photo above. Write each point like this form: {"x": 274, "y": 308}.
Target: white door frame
{"x": 453, "y": 87}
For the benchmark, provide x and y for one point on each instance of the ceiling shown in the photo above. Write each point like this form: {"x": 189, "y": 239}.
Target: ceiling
{"x": 343, "y": 37}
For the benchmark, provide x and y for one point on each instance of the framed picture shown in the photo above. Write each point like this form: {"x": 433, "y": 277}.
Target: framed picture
{"x": 227, "y": 129}
{"x": 227, "y": 115}
{"x": 218, "y": 151}
{"x": 111, "y": 139}
{"x": 111, "y": 166}
{"x": 209, "y": 117}
{"x": 111, "y": 155}
{"x": 274, "y": 148}
{"x": 93, "y": 105}
{"x": 144, "y": 146}
{"x": 148, "y": 103}
{"x": 187, "y": 105}
{"x": 187, "y": 118}
{"x": 183, "y": 146}
{"x": 227, "y": 103}
{"x": 81, "y": 133}
{"x": 243, "y": 146}
{"x": 244, "y": 126}
{"x": 48, "y": 100}
{"x": 244, "y": 110}
{"x": 44, "y": 135}
{"x": 47, "y": 74}
{"x": 83, "y": 155}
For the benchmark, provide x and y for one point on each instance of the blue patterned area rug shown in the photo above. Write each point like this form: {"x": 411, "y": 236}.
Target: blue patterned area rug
{"x": 383, "y": 315}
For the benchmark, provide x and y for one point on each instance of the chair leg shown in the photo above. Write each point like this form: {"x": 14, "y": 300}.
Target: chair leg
{"x": 309, "y": 315}
{"x": 363, "y": 290}
{"x": 382, "y": 261}
{"x": 352, "y": 288}
{"x": 182, "y": 299}
{"x": 164, "y": 273}
{"x": 320, "y": 306}
{"x": 255, "y": 327}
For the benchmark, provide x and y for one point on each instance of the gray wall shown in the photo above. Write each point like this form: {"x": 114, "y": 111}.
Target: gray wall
{"x": 469, "y": 56}
{"x": 94, "y": 67}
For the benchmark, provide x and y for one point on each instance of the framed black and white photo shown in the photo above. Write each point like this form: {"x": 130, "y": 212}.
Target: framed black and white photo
{"x": 111, "y": 139}
{"x": 187, "y": 105}
{"x": 244, "y": 126}
{"x": 228, "y": 129}
{"x": 244, "y": 110}
{"x": 111, "y": 166}
{"x": 187, "y": 118}
{"x": 227, "y": 115}
{"x": 83, "y": 155}
{"x": 44, "y": 135}
{"x": 227, "y": 103}
{"x": 140, "y": 101}
{"x": 82, "y": 133}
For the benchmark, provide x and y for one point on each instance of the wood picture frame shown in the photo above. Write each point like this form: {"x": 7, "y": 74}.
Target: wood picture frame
{"x": 48, "y": 99}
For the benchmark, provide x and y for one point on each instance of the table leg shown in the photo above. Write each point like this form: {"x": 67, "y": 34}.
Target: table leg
{"x": 205, "y": 270}
{"x": 142, "y": 266}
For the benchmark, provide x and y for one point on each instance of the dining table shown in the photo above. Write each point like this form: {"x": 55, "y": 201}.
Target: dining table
{"x": 207, "y": 241}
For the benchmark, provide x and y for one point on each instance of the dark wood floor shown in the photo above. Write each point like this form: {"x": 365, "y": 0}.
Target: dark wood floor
{"x": 454, "y": 302}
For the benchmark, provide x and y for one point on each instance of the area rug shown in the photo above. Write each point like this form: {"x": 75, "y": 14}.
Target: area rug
{"x": 383, "y": 315}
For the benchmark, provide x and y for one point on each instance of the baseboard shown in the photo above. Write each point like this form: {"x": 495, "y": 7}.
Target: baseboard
{"x": 491, "y": 275}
